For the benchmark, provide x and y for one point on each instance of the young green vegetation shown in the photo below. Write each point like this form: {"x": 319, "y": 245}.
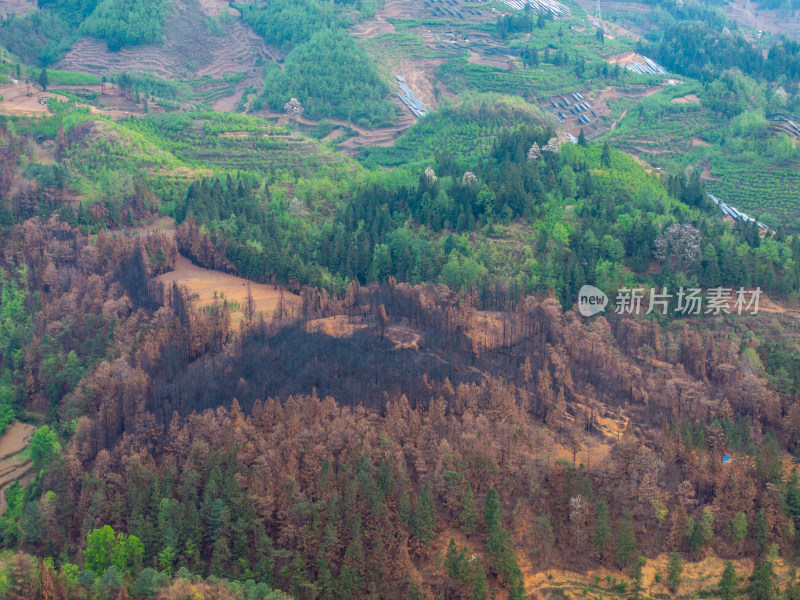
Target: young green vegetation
{"x": 16, "y": 329}
{"x": 555, "y": 60}
{"x": 232, "y": 142}
{"x": 40, "y": 37}
{"x": 325, "y": 69}
{"x": 721, "y": 126}
{"x": 127, "y": 23}
{"x": 389, "y": 49}
{"x": 331, "y": 76}
{"x": 43, "y": 35}
{"x": 465, "y": 131}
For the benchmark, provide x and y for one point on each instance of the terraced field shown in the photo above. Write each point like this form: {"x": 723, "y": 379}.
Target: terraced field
{"x": 189, "y": 51}
{"x": 652, "y": 136}
{"x": 383, "y": 136}
{"x": 14, "y": 465}
{"x": 759, "y": 192}
{"x": 239, "y": 143}
{"x": 15, "y": 7}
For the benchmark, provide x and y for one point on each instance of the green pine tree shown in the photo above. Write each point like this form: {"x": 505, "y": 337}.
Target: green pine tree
{"x": 762, "y": 580}
{"x": 500, "y": 548}
{"x": 626, "y": 542}
{"x": 696, "y": 539}
{"x": 636, "y": 575}
{"x": 451, "y": 560}
{"x": 729, "y": 582}
{"x": 43, "y": 79}
{"x": 674, "y": 571}
{"x": 605, "y": 155}
{"x": 582, "y": 138}
{"x": 761, "y": 532}
{"x": 601, "y": 536}
{"x": 469, "y": 515}
{"x": 425, "y": 516}
{"x": 480, "y": 591}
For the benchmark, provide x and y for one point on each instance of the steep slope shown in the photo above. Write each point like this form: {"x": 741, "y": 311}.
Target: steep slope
{"x": 199, "y": 41}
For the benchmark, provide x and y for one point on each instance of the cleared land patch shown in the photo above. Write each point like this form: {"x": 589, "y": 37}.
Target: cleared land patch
{"x": 687, "y": 99}
{"x": 13, "y": 466}
{"x": 207, "y": 287}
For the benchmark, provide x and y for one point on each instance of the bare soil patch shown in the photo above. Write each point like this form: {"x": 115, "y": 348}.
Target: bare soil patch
{"x": 162, "y": 224}
{"x": 15, "y": 438}
{"x": 371, "y": 27}
{"x": 235, "y": 134}
{"x": 202, "y": 284}
{"x": 479, "y": 59}
{"x": 333, "y": 135}
{"x": 420, "y": 74}
{"x": 383, "y": 136}
{"x": 696, "y": 141}
{"x": 687, "y": 99}
{"x": 602, "y": 101}
{"x": 25, "y": 99}
{"x": 626, "y": 58}
{"x": 14, "y": 468}
{"x": 338, "y": 327}
{"x": 706, "y": 173}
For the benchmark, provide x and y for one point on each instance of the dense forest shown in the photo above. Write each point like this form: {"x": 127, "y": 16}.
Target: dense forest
{"x": 419, "y": 233}
{"x": 331, "y": 76}
{"x": 127, "y": 23}
{"x": 325, "y": 68}
{"x": 702, "y": 52}
{"x": 42, "y": 36}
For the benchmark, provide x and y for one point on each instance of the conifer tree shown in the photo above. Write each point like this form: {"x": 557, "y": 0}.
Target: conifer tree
{"x": 605, "y": 155}
{"x": 762, "y": 580}
{"x": 761, "y": 532}
{"x": 469, "y": 516}
{"x": 601, "y": 537}
{"x": 451, "y": 559}
{"x": 626, "y": 542}
{"x": 480, "y": 591}
{"x": 500, "y": 548}
{"x": 425, "y": 516}
{"x": 674, "y": 571}
{"x": 728, "y": 583}
{"x": 636, "y": 576}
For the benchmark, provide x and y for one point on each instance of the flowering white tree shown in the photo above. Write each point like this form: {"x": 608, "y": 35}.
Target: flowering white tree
{"x": 534, "y": 153}
{"x": 430, "y": 176}
{"x": 680, "y": 244}
{"x": 469, "y": 178}
{"x": 293, "y": 108}
{"x": 553, "y": 145}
